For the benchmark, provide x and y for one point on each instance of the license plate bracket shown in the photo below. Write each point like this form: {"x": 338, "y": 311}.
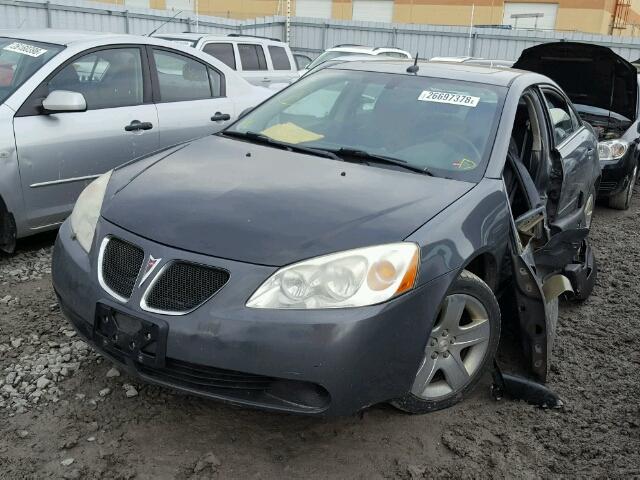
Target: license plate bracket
{"x": 130, "y": 338}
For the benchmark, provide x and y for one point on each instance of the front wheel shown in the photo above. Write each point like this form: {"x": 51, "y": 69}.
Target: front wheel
{"x": 622, "y": 200}
{"x": 462, "y": 344}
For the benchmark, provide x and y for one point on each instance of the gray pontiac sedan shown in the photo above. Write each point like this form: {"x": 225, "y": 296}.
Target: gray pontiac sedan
{"x": 376, "y": 232}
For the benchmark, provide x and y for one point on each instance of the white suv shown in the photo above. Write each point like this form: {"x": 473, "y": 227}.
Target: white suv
{"x": 349, "y": 49}
{"x": 260, "y": 60}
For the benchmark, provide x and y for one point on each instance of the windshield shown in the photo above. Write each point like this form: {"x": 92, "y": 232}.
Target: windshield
{"x": 19, "y": 59}
{"x": 445, "y": 127}
{"x": 326, "y": 56}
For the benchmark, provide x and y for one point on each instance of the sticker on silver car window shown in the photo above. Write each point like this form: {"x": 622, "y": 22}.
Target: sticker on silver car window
{"x": 25, "y": 49}
{"x": 449, "y": 97}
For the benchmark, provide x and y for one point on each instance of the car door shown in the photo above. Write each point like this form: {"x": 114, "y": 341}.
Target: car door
{"x": 574, "y": 147}
{"x": 253, "y": 64}
{"x": 190, "y": 96}
{"x": 282, "y": 65}
{"x": 60, "y": 153}
{"x": 537, "y": 263}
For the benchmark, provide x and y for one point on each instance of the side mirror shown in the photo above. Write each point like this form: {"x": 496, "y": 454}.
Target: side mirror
{"x": 245, "y": 112}
{"x": 64, "y": 101}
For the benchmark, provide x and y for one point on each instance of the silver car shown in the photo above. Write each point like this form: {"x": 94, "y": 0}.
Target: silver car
{"x": 74, "y": 105}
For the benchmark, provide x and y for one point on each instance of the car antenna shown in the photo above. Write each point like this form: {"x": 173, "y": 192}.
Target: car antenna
{"x": 164, "y": 23}
{"x": 414, "y": 68}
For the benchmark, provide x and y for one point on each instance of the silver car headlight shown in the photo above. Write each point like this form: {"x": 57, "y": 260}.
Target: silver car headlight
{"x": 353, "y": 278}
{"x": 86, "y": 212}
{"x": 612, "y": 149}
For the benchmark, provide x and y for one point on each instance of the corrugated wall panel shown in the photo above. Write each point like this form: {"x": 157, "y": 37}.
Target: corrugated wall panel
{"x": 308, "y": 35}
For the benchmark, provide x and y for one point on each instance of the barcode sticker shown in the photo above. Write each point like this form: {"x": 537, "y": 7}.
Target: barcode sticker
{"x": 25, "y": 49}
{"x": 450, "y": 98}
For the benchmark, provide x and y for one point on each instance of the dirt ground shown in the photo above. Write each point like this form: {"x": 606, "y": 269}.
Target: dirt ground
{"x": 63, "y": 413}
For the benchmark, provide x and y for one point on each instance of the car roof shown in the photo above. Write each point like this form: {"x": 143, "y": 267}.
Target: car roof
{"x": 363, "y": 49}
{"x": 221, "y": 38}
{"x": 498, "y": 76}
{"x": 65, "y": 37}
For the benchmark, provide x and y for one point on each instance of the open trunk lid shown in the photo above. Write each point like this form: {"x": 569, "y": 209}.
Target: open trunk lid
{"x": 590, "y": 74}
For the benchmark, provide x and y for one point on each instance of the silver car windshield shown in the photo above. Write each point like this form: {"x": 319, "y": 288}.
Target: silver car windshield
{"x": 19, "y": 59}
{"x": 446, "y": 127}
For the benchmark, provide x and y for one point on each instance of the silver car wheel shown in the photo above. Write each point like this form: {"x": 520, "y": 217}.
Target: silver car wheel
{"x": 455, "y": 349}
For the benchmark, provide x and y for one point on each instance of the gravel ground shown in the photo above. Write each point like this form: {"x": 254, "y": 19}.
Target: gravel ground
{"x": 66, "y": 413}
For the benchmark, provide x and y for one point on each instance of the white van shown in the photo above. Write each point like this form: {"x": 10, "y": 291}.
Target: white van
{"x": 263, "y": 61}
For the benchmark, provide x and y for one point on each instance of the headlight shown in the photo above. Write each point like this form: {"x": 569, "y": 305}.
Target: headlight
{"x": 612, "y": 149}
{"x": 354, "y": 278}
{"x": 86, "y": 212}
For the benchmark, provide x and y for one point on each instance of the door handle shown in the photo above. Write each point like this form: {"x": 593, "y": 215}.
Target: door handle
{"x": 136, "y": 125}
{"x": 220, "y": 117}
{"x": 266, "y": 80}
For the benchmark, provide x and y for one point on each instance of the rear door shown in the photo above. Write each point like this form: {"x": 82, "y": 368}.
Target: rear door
{"x": 573, "y": 143}
{"x": 253, "y": 63}
{"x": 190, "y": 96}
{"x": 59, "y": 154}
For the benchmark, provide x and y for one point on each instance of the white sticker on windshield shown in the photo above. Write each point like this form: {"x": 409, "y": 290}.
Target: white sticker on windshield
{"x": 448, "y": 97}
{"x": 25, "y": 49}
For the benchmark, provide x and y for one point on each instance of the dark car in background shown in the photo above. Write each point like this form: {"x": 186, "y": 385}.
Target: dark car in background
{"x": 603, "y": 87}
{"x": 345, "y": 243}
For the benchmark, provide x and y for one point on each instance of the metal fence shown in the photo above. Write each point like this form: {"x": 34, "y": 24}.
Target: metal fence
{"x": 307, "y": 35}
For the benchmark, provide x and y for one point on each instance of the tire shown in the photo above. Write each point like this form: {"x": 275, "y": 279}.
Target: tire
{"x": 622, "y": 200}
{"x": 445, "y": 365}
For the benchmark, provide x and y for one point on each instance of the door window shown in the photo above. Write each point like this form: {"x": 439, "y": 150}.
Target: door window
{"x": 563, "y": 121}
{"x": 180, "y": 78}
{"x": 107, "y": 78}
{"x": 279, "y": 58}
{"x": 252, "y": 57}
{"x": 393, "y": 55}
{"x": 217, "y": 85}
{"x": 223, "y": 52}
{"x": 302, "y": 61}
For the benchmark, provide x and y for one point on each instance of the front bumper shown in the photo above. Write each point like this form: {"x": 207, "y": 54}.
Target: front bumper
{"x": 322, "y": 362}
{"x": 616, "y": 174}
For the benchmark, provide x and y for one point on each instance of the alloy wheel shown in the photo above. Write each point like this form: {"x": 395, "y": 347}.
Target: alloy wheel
{"x": 455, "y": 349}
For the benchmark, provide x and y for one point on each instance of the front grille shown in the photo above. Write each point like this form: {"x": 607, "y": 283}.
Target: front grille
{"x": 248, "y": 388}
{"x": 121, "y": 262}
{"x": 206, "y": 378}
{"x": 607, "y": 186}
{"x": 183, "y": 286}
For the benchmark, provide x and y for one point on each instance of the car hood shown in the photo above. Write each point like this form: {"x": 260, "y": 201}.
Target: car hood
{"x": 589, "y": 74}
{"x": 232, "y": 199}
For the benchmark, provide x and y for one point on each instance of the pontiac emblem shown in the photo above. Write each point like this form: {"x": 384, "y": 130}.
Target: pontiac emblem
{"x": 151, "y": 265}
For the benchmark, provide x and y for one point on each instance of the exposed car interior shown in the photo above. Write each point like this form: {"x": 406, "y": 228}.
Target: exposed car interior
{"x": 526, "y": 147}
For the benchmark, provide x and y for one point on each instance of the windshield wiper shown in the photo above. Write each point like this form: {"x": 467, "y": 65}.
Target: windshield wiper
{"x": 363, "y": 156}
{"x": 266, "y": 140}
